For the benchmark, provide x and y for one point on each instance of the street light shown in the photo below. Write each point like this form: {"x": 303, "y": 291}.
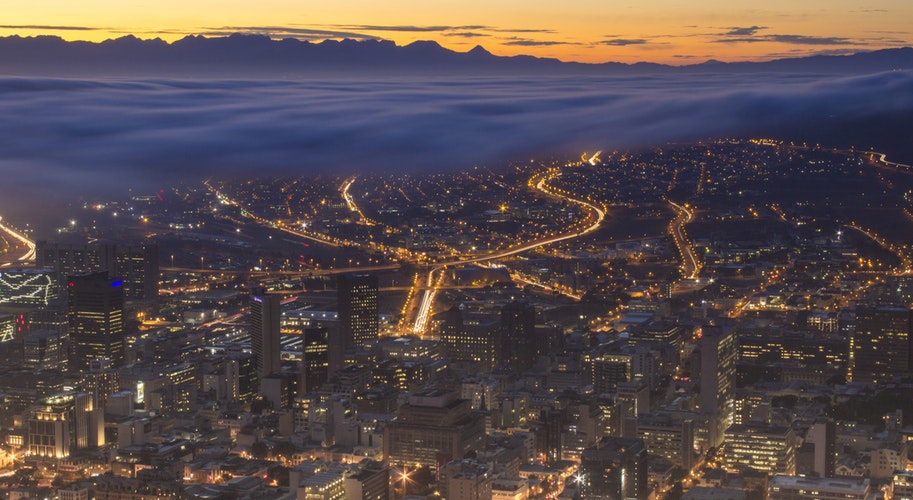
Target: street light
{"x": 405, "y": 477}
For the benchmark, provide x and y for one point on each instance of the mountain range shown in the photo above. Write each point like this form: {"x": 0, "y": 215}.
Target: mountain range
{"x": 242, "y": 55}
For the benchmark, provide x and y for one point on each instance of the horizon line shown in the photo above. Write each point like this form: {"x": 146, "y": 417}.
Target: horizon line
{"x": 278, "y": 39}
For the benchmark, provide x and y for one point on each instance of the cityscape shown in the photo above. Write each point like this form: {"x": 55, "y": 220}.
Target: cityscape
{"x": 652, "y": 323}
{"x": 502, "y": 251}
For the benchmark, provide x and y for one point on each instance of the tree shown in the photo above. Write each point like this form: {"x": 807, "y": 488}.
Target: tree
{"x": 259, "y": 450}
{"x": 279, "y": 474}
{"x": 284, "y": 449}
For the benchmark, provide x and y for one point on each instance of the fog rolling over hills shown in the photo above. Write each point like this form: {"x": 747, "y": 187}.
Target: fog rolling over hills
{"x": 86, "y": 136}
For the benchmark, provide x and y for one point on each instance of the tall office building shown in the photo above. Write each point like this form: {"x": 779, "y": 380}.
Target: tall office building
{"x": 96, "y": 319}
{"x": 615, "y": 468}
{"x": 370, "y": 482}
{"x": 764, "y": 447}
{"x": 315, "y": 359}
{"x": 718, "y": 360}
{"x": 515, "y": 346}
{"x": 880, "y": 348}
{"x": 44, "y": 350}
{"x": 136, "y": 265}
{"x": 822, "y": 435}
{"x": 466, "y": 480}
{"x": 433, "y": 428}
{"x": 264, "y": 331}
{"x": 64, "y": 423}
{"x": 358, "y": 320}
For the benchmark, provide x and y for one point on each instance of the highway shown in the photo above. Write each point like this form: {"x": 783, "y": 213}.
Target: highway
{"x": 247, "y": 213}
{"x": 350, "y": 201}
{"x": 308, "y": 272}
{"x": 595, "y": 219}
{"x": 28, "y": 245}
{"x": 906, "y": 263}
{"x": 882, "y": 158}
{"x": 691, "y": 266}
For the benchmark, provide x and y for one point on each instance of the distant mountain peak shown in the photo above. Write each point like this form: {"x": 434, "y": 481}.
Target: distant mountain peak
{"x": 478, "y": 50}
{"x": 261, "y": 56}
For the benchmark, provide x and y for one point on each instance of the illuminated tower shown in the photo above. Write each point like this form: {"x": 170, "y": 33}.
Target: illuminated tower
{"x": 96, "y": 317}
{"x": 718, "y": 360}
{"x": 514, "y": 348}
{"x": 62, "y": 424}
{"x": 357, "y": 294}
{"x": 614, "y": 468}
{"x": 880, "y": 347}
{"x": 315, "y": 359}
{"x": 264, "y": 331}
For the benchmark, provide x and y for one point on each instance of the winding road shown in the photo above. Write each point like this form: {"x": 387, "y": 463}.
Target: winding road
{"x": 596, "y": 217}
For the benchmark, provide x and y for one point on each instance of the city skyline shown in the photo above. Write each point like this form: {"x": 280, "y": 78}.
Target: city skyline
{"x": 661, "y": 31}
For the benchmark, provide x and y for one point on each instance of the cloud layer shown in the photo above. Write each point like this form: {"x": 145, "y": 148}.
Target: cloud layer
{"x": 82, "y": 136}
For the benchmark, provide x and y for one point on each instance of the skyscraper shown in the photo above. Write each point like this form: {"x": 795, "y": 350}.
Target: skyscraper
{"x": 433, "y": 428}
{"x": 64, "y": 423}
{"x": 315, "y": 359}
{"x": 136, "y": 265}
{"x": 614, "y": 468}
{"x": 96, "y": 317}
{"x": 357, "y": 294}
{"x": 264, "y": 331}
{"x": 718, "y": 360}
{"x": 514, "y": 348}
{"x": 822, "y": 435}
{"x": 880, "y": 348}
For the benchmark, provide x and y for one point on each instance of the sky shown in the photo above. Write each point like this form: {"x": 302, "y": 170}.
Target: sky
{"x": 663, "y": 31}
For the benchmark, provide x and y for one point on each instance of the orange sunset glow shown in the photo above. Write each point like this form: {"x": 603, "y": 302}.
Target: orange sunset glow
{"x": 663, "y": 31}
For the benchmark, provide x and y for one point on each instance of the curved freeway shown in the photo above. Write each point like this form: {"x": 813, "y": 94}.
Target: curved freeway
{"x": 350, "y": 201}
{"x": 23, "y": 240}
{"x": 596, "y": 213}
{"x": 882, "y": 158}
{"x": 691, "y": 266}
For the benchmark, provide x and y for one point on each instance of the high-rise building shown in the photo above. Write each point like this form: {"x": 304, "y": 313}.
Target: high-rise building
{"x": 466, "y": 480}
{"x": 718, "y": 359}
{"x": 370, "y": 482}
{"x": 902, "y": 485}
{"x": 33, "y": 287}
{"x": 669, "y": 434}
{"x": 96, "y": 319}
{"x": 99, "y": 381}
{"x": 433, "y": 428}
{"x": 327, "y": 485}
{"x": 264, "y": 331}
{"x": 822, "y": 435}
{"x": 240, "y": 376}
{"x": 470, "y": 339}
{"x": 880, "y": 348}
{"x": 514, "y": 347}
{"x": 136, "y": 265}
{"x": 614, "y": 468}
{"x": 44, "y": 350}
{"x": 315, "y": 359}
{"x": 764, "y": 447}
{"x": 64, "y": 423}
{"x": 608, "y": 370}
{"x": 358, "y": 317}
